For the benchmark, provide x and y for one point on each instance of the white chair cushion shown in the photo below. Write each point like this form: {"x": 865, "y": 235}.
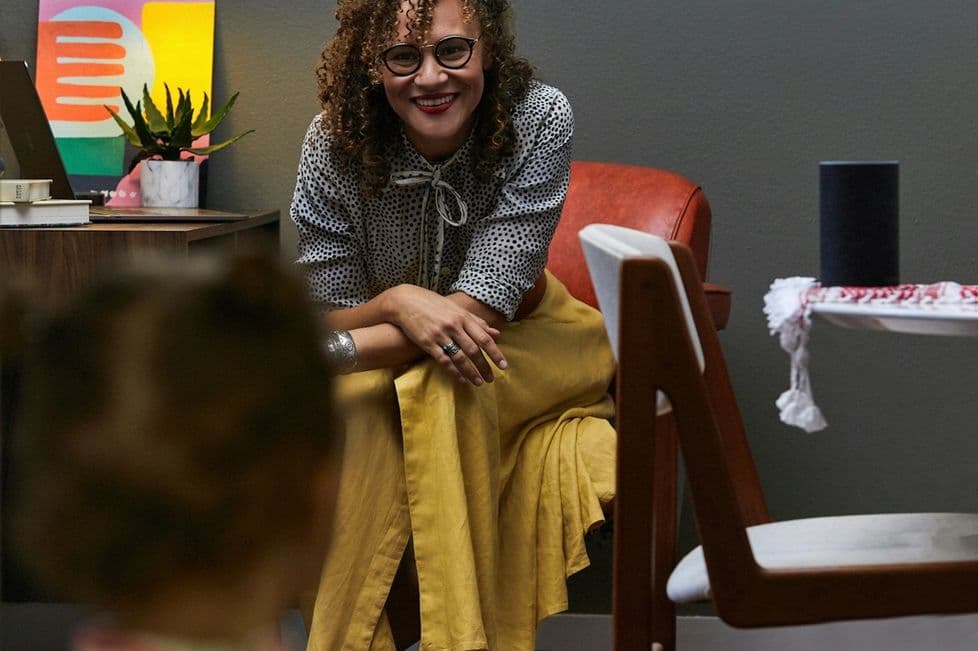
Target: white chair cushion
{"x": 876, "y": 539}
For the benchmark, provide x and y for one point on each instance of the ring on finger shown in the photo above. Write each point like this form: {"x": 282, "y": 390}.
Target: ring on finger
{"x": 451, "y": 348}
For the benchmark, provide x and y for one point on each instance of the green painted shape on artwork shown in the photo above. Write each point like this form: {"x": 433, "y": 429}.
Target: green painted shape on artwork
{"x": 93, "y": 156}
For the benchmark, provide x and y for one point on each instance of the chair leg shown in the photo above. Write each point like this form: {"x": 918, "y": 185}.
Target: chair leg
{"x": 632, "y": 579}
{"x": 665, "y": 509}
{"x": 645, "y": 538}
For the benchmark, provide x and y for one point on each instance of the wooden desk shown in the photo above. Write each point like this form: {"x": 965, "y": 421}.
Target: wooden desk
{"x": 62, "y": 260}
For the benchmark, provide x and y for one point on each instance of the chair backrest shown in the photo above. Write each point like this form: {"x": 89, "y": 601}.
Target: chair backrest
{"x": 643, "y": 198}
{"x": 605, "y": 247}
{"x": 661, "y": 340}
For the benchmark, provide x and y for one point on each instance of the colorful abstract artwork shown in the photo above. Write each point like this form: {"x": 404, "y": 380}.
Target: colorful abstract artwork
{"x": 88, "y": 49}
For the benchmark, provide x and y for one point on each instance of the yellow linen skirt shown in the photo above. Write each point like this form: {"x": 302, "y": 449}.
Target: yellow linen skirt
{"x": 496, "y": 484}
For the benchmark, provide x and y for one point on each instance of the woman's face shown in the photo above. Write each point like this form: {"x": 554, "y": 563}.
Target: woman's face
{"x": 437, "y": 104}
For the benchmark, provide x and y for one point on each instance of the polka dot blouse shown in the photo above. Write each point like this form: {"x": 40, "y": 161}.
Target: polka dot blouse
{"x": 436, "y": 225}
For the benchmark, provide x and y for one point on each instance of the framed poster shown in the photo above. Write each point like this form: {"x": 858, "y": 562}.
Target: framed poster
{"x": 88, "y": 49}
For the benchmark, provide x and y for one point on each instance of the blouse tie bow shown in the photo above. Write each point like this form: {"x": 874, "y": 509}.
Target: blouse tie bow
{"x": 432, "y": 179}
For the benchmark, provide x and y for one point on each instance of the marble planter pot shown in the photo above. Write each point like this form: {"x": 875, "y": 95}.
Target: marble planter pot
{"x": 169, "y": 183}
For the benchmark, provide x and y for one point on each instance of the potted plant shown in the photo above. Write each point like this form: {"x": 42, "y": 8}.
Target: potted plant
{"x": 167, "y": 177}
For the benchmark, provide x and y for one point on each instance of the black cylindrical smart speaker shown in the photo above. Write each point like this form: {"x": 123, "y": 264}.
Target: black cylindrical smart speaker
{"x": 859, "y": 237}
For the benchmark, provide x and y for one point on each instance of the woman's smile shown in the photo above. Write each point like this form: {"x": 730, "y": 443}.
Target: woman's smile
{"x": 435, "y": 103}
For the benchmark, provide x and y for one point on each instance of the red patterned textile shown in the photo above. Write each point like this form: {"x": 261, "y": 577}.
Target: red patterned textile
{"x": 934, "y": 295}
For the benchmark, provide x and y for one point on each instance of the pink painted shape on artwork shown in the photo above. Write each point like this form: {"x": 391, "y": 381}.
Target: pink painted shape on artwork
{"x": 128, "y": 185}
{"x": 131, "y": 9}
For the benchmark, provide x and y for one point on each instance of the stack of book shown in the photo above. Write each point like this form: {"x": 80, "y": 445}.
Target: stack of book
{"x": 28, "y": 203}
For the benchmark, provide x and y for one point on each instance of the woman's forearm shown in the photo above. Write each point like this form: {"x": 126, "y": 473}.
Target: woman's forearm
{"x": 380, "y": 343}
{"x": 406, "y": 322}
{"x": 382, "y": 346}
{"x": 373, "y": 312}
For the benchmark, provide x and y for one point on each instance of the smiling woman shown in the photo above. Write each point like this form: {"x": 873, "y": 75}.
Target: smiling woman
{"x": 479, "y": 450}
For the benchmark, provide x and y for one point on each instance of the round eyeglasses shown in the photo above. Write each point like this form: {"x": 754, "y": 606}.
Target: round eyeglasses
{"x": 451, "y": 52}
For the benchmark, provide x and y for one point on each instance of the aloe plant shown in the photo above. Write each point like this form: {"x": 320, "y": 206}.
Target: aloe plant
{"x": 169, "y": 135}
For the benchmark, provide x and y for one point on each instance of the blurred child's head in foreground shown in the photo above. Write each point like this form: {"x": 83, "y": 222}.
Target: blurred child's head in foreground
{"x": 175, "y": 444}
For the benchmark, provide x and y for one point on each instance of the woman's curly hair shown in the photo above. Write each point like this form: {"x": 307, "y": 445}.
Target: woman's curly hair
{"x": 361, "y": 122}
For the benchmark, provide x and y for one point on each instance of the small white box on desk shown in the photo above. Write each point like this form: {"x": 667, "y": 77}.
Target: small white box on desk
{"x": 23, "y": 190}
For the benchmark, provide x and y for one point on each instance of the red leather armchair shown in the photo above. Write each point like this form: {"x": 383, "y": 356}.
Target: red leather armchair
{"x": 646, "y": 514}
{"x": 645, "y": 198}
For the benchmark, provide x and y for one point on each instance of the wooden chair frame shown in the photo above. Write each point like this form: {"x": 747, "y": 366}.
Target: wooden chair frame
{"x": 727, "y": 497}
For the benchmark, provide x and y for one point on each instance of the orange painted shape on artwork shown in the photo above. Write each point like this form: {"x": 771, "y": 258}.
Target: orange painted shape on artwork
{"x": 104, "y": 93}
{"x": 90, "y": 69}
{"x": 49, "y": 71}
{"x": 91, "y": 50}
{"x": 92, "y": 28}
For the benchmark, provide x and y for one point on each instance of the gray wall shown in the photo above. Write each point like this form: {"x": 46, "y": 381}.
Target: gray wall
{"x": 746, "y": 98}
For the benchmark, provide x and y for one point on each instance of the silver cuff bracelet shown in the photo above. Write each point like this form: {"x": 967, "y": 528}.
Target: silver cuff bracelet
{"x": 341, "y": 351}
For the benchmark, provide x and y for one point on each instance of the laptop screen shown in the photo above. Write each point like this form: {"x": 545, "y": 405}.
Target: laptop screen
{"x": 25, "y": 127}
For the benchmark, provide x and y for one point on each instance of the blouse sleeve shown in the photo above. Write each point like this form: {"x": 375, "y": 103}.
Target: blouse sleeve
{"x": 330, "y": 241}
{"x": 509, "y": 246}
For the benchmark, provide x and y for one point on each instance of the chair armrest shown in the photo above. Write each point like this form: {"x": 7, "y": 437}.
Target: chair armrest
{"x": 718, "y": 300}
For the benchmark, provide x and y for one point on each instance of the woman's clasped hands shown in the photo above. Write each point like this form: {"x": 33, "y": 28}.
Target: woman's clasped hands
{"x": 446, "y": 329}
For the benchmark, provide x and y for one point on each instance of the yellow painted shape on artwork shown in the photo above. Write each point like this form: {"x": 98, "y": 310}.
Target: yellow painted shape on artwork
{"x": 181, "y": 35}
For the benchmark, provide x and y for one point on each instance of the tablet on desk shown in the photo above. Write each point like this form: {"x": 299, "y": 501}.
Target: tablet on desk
{"x": 124, "y": 215}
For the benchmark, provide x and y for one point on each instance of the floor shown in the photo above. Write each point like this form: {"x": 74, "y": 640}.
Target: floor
{"x": 46, "y": 627}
